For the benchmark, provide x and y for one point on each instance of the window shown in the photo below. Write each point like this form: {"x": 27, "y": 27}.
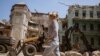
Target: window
{"x": 76, "y": 13}
{"x": 91, "y": 27}
{"x": 84, "y": 13}
{"x": 98, "y": 41}
{"x": 84, "y": 27}
{"x": 17, "y": 14}
{"x": 76, "y": 39}
{"x": 1, "y": 33}
{"x": 92, "y": 41}
{"x": 91, "y": 14}
{"x": 98, "y": 27}
{"x": 98, "y": 14}
{"x": 76, "y": 25}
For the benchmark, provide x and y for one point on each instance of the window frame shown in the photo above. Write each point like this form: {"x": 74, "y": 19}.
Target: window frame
{"x": 84, "y": 13}
{"x": 98, "y": 14}
{"x": 76, "y": 13}
{"x": 91, "y": 14}
{"x": 91, "y": 27}
{"x": 84, "y": 27}
{"x": 92, "y": 41}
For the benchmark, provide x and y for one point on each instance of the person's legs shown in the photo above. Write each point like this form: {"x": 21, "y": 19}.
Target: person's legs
{"x": 46, "y": 51}
{"x": 50, "y": 50}
{"x": 56, "y": 51}
{"x": 53, "y": 49}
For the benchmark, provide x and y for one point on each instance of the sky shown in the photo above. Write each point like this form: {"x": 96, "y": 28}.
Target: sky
{"x": 43, "y": 6}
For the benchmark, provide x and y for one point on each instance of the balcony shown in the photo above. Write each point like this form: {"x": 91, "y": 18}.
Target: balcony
{"x": 91, "y": 32}
{"x": 35, "y": 29}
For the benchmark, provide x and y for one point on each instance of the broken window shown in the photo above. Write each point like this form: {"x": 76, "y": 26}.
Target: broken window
{"x": 76, "y": 13}
{"x": 98, "y": 14}
{"x": 91, "y": 27}
{"x": 84, "y": 13}
{"x": 91, "y": 14}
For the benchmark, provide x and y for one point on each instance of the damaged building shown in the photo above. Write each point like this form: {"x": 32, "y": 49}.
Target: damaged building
{"x": 5, "y": 28}
{"x": 88, "y": 20}
{"x": 24, "y": 22}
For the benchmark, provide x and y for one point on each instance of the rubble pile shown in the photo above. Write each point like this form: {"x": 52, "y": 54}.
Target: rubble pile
{"x": 85, "y": 54}
{"x": 72, "y": 53}
{"x": 96, "y": 53}
{"x": 62, "y": 53}
{"x": 75, "y": 53}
